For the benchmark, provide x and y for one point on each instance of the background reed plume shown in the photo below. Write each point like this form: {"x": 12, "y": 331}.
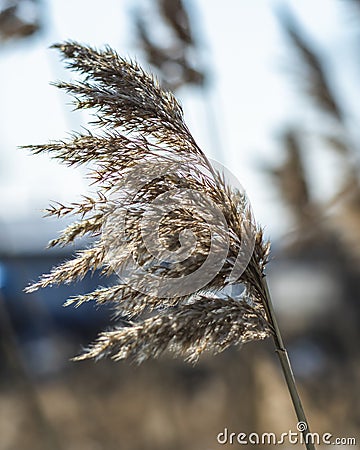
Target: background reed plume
{"x": 176, "y": 62}
{"x": 336, "y": 217}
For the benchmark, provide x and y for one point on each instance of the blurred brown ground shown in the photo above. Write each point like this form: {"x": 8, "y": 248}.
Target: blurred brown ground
{"x": 168, "y": 404}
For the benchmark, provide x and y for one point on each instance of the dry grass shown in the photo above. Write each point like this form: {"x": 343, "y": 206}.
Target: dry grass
{"x": 141, "y": 128}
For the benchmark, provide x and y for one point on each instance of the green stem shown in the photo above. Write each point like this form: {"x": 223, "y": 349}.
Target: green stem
{"x": 286, "y": 368}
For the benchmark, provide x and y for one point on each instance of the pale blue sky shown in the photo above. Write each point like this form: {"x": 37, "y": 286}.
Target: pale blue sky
{"x": 253, "y": 93}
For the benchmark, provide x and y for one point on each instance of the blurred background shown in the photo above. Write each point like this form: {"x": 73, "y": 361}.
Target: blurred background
{"x": 271, "y": 90}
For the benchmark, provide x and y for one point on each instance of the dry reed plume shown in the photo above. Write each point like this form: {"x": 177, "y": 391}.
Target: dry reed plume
{"x": 160, "y": 215}
{"x": 129, "y": 100}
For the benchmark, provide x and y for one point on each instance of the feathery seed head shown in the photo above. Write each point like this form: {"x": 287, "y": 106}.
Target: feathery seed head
{"x": 166, "y": 222}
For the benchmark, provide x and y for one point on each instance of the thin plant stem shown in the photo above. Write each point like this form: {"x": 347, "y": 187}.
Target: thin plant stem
{"x": 287, "y": 369}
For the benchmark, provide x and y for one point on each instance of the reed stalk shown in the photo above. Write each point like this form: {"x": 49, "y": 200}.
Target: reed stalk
{"x": 283, "y": 356}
